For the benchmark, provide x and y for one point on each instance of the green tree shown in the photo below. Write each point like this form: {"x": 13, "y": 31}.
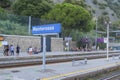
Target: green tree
{"x": 71, "y": 17}
{"x": 116, "y": 25}
{"x": 34, "y": 8}
{"x": 11, "y": 28}
{"x": 1, "y": 10}
{"x": 76, "y": 2}
{"x": 5, "y": 3}
{"x": 3, "y": 15}
{"x": 101, "y": 22}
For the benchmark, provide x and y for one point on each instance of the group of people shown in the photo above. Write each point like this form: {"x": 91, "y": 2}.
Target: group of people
{"x": 32, "y": 50}
{"x": 9, "y": 50}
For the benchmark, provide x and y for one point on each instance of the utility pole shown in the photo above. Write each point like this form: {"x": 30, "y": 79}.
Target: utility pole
{"x": 96, "y": 33}
{"x": 107, "y": 45}
{"x": 29, "y": 25}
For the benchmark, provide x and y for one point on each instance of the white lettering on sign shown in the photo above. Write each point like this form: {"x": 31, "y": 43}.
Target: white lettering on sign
{"x": 43, "y": 28}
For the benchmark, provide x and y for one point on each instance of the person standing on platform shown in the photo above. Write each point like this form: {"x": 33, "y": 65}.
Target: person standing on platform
{"x": 30, "y": 50}
{"x": 17, "y": 50}
{"x": 12, "y": 50}
{"x": 6, "y": 50}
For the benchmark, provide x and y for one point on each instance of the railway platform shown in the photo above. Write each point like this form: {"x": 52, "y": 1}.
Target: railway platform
{"x": 62, "y": 53}
{"x": 57, "y": 71}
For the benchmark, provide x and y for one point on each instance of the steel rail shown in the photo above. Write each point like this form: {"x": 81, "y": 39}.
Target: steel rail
{"x": 24, "y": 61}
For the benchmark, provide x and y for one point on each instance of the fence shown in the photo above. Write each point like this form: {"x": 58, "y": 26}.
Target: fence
{"x": 11, "y": 24}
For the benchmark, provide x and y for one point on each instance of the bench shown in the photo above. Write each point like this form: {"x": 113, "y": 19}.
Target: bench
{"x": 79, "y": 62}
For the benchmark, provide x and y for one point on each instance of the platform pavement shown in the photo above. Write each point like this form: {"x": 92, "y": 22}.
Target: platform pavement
{"x": 22, "y": 54}
{"x": 49, "y": 53}
{"x": 56, "y": 71}
{"x": 25, "y": 54}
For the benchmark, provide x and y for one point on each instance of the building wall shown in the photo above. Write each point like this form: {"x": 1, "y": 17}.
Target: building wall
{"x": 56, "y": 44}
{"x": 25, "y": 41}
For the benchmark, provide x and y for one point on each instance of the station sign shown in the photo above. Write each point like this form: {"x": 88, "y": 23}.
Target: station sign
{"x": 68, "y": 38}
{"x": 46, "y": 29}
{"x": 4, "y": 43}
{"x": 101, "y": 40}
{"x": 105, "y": 40}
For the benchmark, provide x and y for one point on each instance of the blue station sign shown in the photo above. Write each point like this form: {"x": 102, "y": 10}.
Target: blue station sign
{"x": 46, "y": 29}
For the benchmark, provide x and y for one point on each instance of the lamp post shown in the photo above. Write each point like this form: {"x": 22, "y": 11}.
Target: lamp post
{"x": 95, "y": 19}
{"x": 86, "y": 42}
{"x": 96, "y": 35}
{"x": 107, "y": 46}
{"x": 29, "y": 26}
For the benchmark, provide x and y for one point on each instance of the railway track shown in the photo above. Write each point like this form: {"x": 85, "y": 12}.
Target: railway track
{"x": 12, "y": 61}
{"x": 113, "y": 76}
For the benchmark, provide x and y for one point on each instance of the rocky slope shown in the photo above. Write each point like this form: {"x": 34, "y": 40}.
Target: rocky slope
{"x": 110, "y": 8}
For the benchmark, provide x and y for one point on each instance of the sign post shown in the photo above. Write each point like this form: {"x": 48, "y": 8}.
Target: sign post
{"x": 44, "y": 30}
{"x": 44, "y": 51}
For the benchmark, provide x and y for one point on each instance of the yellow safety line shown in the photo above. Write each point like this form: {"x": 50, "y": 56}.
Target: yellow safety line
{"x": 79, "y": 71}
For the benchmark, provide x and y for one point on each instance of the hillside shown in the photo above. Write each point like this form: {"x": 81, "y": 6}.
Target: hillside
{"x": 109, "y": 8}
{"x": 104, "y": 7}
{"x": 98, "y": 8}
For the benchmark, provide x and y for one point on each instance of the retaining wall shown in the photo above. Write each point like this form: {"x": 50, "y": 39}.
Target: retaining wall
{"x": 25, "y": 41}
